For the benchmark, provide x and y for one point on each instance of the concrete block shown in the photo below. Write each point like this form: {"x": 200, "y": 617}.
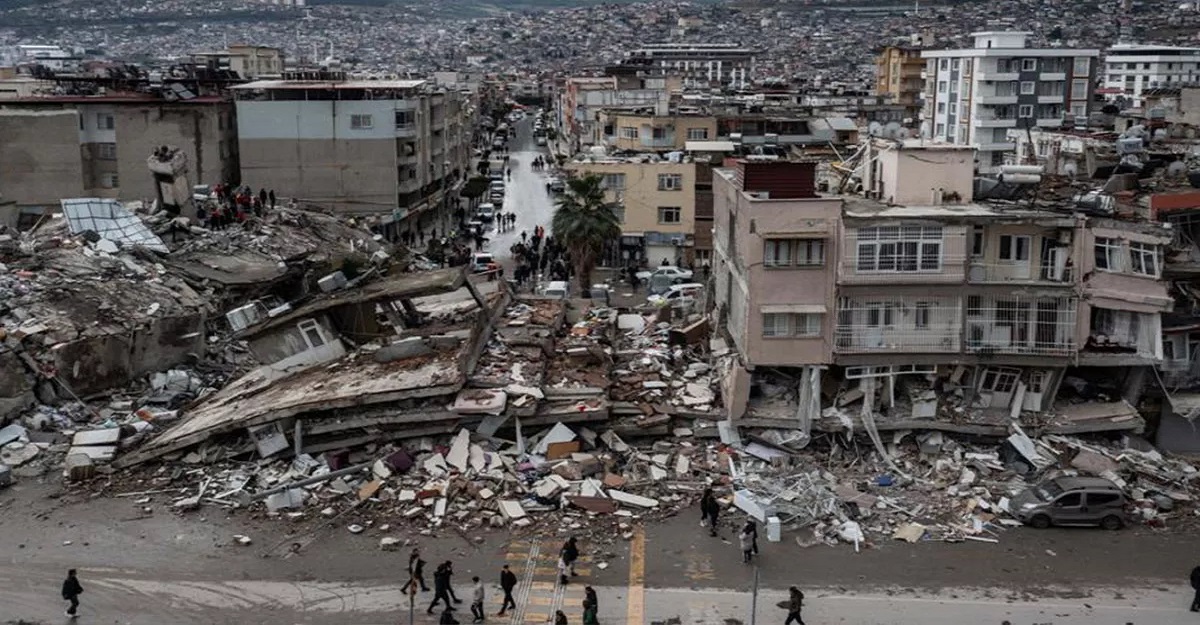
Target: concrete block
{"x": 291, "y": 498}
{"x": 633, "y": 500}
{"x": 403, "y": 349}
{"x": 511, "y": 509}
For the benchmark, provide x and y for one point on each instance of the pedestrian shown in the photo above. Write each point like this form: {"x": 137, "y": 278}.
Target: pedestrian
{"x": 450, "y": 589}
{"x": 795, "y": 603}
{"x": 508, "y": 582}
{"x": 524, "y": 235}
{"x": 448, "y": 617}
{"x": 560, "y": 618}
{"x": 752, "y": 528}
{"x": 477, "y": 600}
{"x": 1196, "y": 587}
{"x": 71, "y": 589}
{"x": 563, "y": 569}
{"x": 710, "y": 510}
{"x": 441, "y": 589}
{"x": 262, "y": 197}
{"x": 416, "y": 572}
{"x": 746, "y": 542}
{"x": 271, "y": 198}
{"x": 591, "y": 607}
{"x": 570, "y": 553}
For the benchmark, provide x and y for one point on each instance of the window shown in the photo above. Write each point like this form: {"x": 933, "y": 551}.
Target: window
{"x": 613, "y": 182}
{"x": 942, "y": 86}
{"x": 1025, "y": 110}
{"x": 1069, "y": 500}
{"x": 940, "y": 130}
{"x": 977, "y": 241}
{"x": 658, "y": 133}
{"x": 670, "y": 182}
{"x": 697, "y": 134}
{"x": 1108, "y": 254}
{"x": 360, "y": 122}
{"x": 1079, "y": 89}
{"x": 954, "y": 108}
{"x": 104, "y": 121}
{"x": 1028, "y": 87}
{"x": 943, "y": 64}
{"x": 106, "y": 151}
{"x": 1103, "y": 499}
{"x": 110, "y": 181}
{"x": 880, "y": 315}
{"x": 999, "y": 380}
{"x": 1082, "y": 66}
{"x": 900, "y": 248}
{"x": 1014, "y": 248}
{"x": 1079, "y": 110}
{"x": 669, "y": 214}
{"x": 922, "y": 315}
{"x": 794, "y": 252}
{"x": 1029, "y": 65}
{"x": 941, "y": 107}
{"x": 405, "y": 120}
{"x": 629, "y": 132}
{"x": 311, "y": 331}
{"x": 1143, "y": 258}
{"x": 779, "y": 325}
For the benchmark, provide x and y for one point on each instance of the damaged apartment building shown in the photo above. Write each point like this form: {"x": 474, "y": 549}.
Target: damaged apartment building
{"x": 904, "y": 303}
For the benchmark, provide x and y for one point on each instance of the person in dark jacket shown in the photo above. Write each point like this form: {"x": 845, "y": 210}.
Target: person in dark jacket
{"x": 560, "y": 618}
{"x": 450, "y": 589}
{"x": 508, "y": 581}
{"x": 591, "y": 607}
{"x": 570, "y": 553}
{"x": 795, "y": 603}
{"x": 416, "y": 572}
{"x": 710, "y": 510}
{"x": 71, "y": 589}
{"x": 441, "y": 588}
{"x": 1196, "y": 587}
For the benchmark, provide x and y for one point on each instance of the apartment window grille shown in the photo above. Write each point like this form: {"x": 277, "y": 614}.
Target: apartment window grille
{"x": 697, "y": 134}
{"x": 1029, "y": 65}
{"x": 110, "y": 181}
{"x": 1144, "y": 258}
{"x": 922, "y": 318}
{"x": 899, "y": 249}
{"x": 629, "y": 132}
{"x": 670, "y": 182}
{"x": 107, "y": 151}
{"x": 1108, "y": 254}
{"x": 669, "y": 214}
{"x": 1020, "y": 325}
{"x": 613, "y": 182}
{"x": 791, "y": 325}
{"x": 794, "y": 252}
{"x": 899, "y": 324}
{"x": 1082, "y": 66}
{"x": 1028, "y": 87}
{"x": 361, "y": 122}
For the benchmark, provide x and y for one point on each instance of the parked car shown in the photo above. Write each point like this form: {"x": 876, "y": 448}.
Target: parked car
{"x": 676, "y": 274}
{"x": 480, "y": 262}
{"x": 684, "y": 292}
{"x": 1071, "y": 501}
{"x": 541, "y": 140}
{"x": 485, "y": 212}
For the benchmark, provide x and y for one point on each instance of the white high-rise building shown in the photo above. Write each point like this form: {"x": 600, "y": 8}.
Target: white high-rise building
{"x": 1130, "y": 69}
{"x": 973, "y": 96}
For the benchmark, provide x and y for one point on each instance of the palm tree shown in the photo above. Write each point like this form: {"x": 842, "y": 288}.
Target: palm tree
{"x": 582, "y": 223}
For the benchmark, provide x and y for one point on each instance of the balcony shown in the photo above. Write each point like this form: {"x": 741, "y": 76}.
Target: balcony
{"x": 406, "y": 130}
{"x": 996, "y": 122}
{"x": 1021, "y": 326}
{"x": 907, "y": 270}
{"x": 1051, "y": 99}
{"x": 997, "y": 99}
{"x": 1052, "y": 76}
{"x": 898, "y": 325}
{"x": 998, "y": 76}
{"x": 1049, "y": 122}
{"x": 1018, "y": 273}
{"x": 1002, "y": 146}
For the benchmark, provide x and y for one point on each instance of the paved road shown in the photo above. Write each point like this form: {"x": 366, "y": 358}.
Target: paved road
{"x": 526, "y": 193}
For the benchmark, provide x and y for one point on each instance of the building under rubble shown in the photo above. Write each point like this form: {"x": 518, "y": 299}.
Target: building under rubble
{"x": 913, "y": 306}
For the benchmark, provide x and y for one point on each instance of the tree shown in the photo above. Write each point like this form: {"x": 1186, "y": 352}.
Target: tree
{"x": 582, "y": 223}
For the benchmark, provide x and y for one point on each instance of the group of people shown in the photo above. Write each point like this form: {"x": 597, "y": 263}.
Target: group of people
{"x": 233, "y": 205}
{"x": 443, "y": 591}
{"x": 506, "y": 222}
{"x": 538, "y": 164}
{"x": 539, "y": 255}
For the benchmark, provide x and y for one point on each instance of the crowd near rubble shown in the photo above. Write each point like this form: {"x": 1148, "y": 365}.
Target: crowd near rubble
{"x": 570, "y": 417}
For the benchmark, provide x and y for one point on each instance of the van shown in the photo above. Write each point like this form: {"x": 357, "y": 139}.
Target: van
{"x": 480, "y": 262}
{"x": 1071, "y": 501}
{"x": 556, "y": 289}
{"x": 684, "y": 292}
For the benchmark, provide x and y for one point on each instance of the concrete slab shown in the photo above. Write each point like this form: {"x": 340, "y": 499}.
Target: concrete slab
{"x": 459, "y": 454}
{"x": 106, "y": 436}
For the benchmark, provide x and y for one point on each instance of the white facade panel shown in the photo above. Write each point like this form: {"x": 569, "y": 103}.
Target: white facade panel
{"x": 326, "y": 119}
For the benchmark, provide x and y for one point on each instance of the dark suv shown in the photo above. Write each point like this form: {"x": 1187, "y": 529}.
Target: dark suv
{"x": 1071, "y": 501}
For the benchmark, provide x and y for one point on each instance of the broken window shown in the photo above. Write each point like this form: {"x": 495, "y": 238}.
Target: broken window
{"x": 1000, "y": 380}
{"x": 1108, "y": 254}
{"x": 311, "y": 331}
{"x": 1143, "y": 258}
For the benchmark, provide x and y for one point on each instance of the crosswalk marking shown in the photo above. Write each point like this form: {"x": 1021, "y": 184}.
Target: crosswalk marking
{"x": 539, "y": 594}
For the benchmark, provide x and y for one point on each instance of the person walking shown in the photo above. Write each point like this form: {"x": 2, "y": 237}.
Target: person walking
{"x": 795, "y": 603}
{"x": 570, "y": 553}
{"x": 508, "y": 582}
{"x": 416, "y": 572}
{"x": 563, "y": 569}
{"x": 1196, "y": 587}
{"x": 710, "y": 510}
{"x": 746, "y": 542}
{"x": 752, "y": 528}
{"x": 441, "y": 588}
{"x": 560, "y": 618}
{"x": 591, "y": 607}
{"x": 448, "y": 617}
{"x": 477, "y": 600}
{"x": 450, "y": 589}
{"x": 71, "y": 589}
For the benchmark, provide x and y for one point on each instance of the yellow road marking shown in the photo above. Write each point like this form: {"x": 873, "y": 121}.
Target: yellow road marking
{"x": 541, "y": 586}
{"x": 636, "y": 612}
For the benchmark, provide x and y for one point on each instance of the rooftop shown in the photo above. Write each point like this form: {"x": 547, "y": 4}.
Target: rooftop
{"x": 329, "y": 84}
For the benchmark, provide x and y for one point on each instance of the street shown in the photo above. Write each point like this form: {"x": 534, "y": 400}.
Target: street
{"x": 526, "y": 194}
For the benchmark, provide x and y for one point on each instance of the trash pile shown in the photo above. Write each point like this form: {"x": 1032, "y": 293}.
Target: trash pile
{"x": 658, "y": 370}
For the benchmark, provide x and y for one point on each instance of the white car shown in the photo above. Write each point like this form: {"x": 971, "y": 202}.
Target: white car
{"x": 676, "y": 274}
{"x": 485, "y": 212}
{"x": 685, "y": 292}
